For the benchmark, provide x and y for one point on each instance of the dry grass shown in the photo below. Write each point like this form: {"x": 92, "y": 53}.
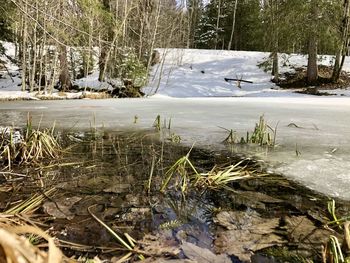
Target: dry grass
{"x": 30, "y": 205}
{"x": 17, "y": 99}
{"x": 187, "y": 176}
{"x": 18, "y": 233}
{"x": 16, "y": 248}
{"x": 27, "y": 146}
{"x": 96, "y": 95}
{"x": 217, "y": 178}
{"x": 61, "y": 96}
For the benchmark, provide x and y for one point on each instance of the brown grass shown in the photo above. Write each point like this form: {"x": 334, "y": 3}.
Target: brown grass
{"x": 96, "y": 95}
{"x": 15, "y": 247}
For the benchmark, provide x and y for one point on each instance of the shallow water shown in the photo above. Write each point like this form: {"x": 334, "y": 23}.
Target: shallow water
{"x": 321, "y": 127}
{"x": 109, "y": 173}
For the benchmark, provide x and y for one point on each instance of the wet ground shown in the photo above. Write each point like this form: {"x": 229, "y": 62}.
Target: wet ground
{"x": 117, "y": 177}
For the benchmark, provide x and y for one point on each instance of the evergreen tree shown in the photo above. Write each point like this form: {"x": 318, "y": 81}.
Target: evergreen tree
{"x": 248, "y": 25}
{"x": 7, "y": 11}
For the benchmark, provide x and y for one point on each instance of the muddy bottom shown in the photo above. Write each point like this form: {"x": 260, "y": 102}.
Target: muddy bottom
{"x": 117, "y": 177}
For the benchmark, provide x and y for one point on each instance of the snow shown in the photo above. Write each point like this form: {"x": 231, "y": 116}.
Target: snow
{"x": 201, "y": 73}
{"x": 186, "y": 73}
{"x": 91, "y": 82}
{"x": 10, "y": 82}
{"x": 189, "y": 88}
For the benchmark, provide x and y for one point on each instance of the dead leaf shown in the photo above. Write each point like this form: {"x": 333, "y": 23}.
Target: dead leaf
{"x": 202, "y": 255}
{"x": 302, "y": 232}
{"x": 61, "y": 208}
{"x": 158, "y": 246}
{"x": 247, "y": 232}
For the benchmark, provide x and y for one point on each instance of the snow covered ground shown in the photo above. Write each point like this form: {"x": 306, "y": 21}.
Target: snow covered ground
{"x": 201, "y": 73}
{"x": 189, "y": 87}
{"x": 185, "y": 73}
{"x": 11, "y": 83}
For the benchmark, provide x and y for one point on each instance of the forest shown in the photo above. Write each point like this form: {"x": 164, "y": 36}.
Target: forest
{"x": 60, "y": 41}
{"x": 228, "y": 153}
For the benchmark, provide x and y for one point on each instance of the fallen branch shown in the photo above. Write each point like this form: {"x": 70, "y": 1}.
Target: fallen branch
{"x": 241, "y": 80}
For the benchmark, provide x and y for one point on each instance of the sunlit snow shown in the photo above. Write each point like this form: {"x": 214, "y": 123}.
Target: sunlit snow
{"x": 189, "y": 88}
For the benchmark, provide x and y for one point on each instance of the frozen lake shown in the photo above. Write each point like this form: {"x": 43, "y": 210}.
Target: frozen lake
{"x": 320, "y": 128}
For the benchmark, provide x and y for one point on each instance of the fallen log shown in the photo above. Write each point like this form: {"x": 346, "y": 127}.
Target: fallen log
{"x": 240, "y": 80}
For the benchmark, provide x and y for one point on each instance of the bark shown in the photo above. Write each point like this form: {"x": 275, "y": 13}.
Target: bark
{"x": 24, "y": 48}
{"x": 233, "y": 25}
{"x": 193, "y": 16}
{"x": 34, "y": 53}
{"x": 274, "y": 35}
{"x": 154, "y": 34}
{"x": 64, "y": 78}
{"x": 125, "y": 24}
{"x": 312, "y": 70}
{"x": 341, "y": 54}
{"x": 72, "y": 63}
{"x": 53, "y": 74}
{"x": 218, "y": 24}
{"x": 102, "y": 63}
{"x": 275, "y": 66}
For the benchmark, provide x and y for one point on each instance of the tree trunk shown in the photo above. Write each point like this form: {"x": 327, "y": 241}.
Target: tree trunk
{"x": 312, "y": 70}
{"x": 344, "y": 42}
{"x": 33, "y": 71}
{"x": 102, "y": 63}
{"x": 233, "y": 25}
{"x": 274, "y": 39}
{"x": 72, "y": 63}
{"x": 64, "y": 77}
{"x": 53, "y": 74}
{"x": 154, "y": 34}
{"x": 218, "y": 24}
{"x": 275, "y": 66}
{"x": 24, "y": 48}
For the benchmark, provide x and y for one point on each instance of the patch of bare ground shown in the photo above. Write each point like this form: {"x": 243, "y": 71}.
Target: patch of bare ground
{"x": 297, "y": 81}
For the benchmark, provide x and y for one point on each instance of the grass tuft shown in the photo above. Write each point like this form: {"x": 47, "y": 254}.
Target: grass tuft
{"x": 188, "y": 176}
{"x": 217, "y": 179}
{"x": 263, "y": 134}
{"x": 27, "y": 146}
